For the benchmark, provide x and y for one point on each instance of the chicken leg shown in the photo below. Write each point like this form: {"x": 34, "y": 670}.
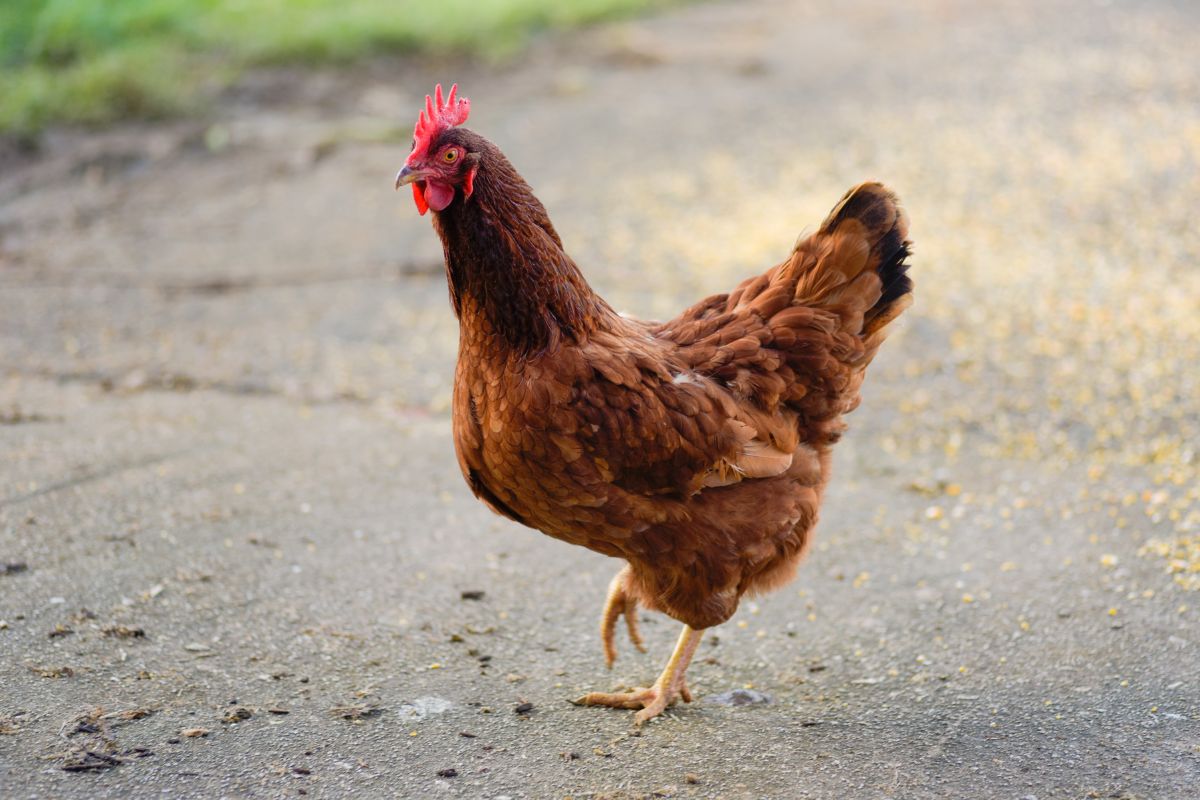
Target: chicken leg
{"x": 620, "y": 601}
{"x": 670, "y": 686}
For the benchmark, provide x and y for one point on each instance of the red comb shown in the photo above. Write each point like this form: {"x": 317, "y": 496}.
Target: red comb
{"x": 437, "y": 117}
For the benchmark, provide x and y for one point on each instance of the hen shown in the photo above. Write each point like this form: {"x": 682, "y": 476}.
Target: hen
{"x": 696, "y": 450}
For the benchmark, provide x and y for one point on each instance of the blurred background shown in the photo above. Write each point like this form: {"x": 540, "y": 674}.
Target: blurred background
{"x": 1047, "y": 154}
{"x": 99, "y": 62}
{"x": 221, "y": 326}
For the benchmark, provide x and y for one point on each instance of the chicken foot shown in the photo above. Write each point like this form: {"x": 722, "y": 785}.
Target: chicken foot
{"x": 620, "y": 601}
{"x": 670, "y": 686}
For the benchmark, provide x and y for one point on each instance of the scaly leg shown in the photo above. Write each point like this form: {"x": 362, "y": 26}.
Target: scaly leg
{"x": 620, "y": 601}
{"x": 670, "y": 686}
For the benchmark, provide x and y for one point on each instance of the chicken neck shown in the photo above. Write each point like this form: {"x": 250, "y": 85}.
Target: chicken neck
{"x": 506, "y": 266}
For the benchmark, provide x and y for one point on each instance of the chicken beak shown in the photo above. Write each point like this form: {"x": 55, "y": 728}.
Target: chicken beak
{"x": 408, "y": 175}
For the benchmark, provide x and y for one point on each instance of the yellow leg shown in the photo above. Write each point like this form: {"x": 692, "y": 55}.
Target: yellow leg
{"x": 619, "y": 602}
{"x": 670, "y": 686}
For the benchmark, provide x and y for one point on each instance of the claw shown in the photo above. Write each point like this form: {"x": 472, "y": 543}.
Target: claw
{"x": 651, "y": 700}
{"x": 620, "y": 602}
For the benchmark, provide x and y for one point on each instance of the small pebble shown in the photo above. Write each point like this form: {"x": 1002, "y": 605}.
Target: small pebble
{"x": 237, "y": 714}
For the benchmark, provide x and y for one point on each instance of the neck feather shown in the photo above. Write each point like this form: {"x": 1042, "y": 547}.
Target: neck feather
{"x": 506, "y": 266}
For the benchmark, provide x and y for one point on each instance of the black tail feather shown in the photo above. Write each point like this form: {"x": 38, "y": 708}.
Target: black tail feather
{"x": 878, "y": 210}
{"x": 894, "y": 275}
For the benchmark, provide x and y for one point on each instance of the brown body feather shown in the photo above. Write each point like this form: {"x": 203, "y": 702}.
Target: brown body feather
{"x": 696, "y": 449}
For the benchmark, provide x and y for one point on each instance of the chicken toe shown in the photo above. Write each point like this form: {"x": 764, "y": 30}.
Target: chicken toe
{"x": 670, "y": 686}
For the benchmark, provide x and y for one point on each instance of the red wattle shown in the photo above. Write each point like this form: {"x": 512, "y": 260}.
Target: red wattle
{"x": 419, "y": 198}
{"x": 438, "y": 195}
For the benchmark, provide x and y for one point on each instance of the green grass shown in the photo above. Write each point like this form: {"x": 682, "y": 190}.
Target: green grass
{"x": 97, "y": 61}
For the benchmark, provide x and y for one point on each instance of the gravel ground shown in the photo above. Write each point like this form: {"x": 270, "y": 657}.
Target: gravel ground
{"x": 236, "y": 556}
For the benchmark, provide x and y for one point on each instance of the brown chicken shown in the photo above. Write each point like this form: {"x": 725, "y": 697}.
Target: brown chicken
{"x": 696, "y": 450}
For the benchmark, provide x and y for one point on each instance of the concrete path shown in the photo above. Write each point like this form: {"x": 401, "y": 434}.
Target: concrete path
{"x": 236, "y": 555}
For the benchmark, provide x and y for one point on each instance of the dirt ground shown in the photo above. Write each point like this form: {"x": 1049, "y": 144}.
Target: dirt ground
{"x": 236, "y": 555}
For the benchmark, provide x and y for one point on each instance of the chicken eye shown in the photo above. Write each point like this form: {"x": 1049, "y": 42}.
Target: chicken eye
{"x": 451, "y": 156}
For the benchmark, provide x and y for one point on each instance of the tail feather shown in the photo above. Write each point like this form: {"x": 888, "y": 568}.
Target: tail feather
{"x": 854, "y": 267}
{"x": 822, "y": 314}
{"x": 870, "y": 215}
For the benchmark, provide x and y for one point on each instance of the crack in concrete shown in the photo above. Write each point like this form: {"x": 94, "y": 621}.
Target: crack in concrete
{"x": 92, "y": 476}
